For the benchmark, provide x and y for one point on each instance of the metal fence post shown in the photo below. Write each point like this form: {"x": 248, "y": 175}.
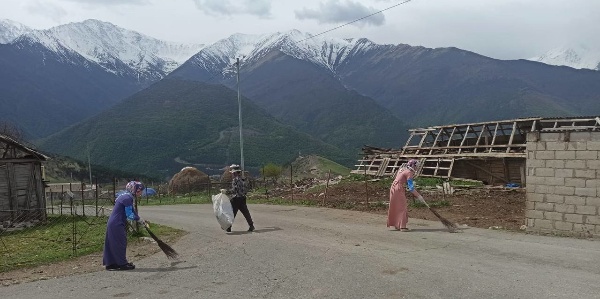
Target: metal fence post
{"x": 82, "y": 198}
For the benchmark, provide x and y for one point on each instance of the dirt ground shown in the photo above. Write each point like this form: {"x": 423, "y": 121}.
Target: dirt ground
{"x": 489, "y": 208}
{"x": 482, "y": 207}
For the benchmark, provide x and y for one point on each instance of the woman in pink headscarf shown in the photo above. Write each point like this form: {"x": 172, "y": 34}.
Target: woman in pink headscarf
{"x": 397, "y": 212}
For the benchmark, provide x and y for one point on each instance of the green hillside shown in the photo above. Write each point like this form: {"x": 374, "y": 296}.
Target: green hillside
{"x": 313, "y": 166}
{"x": 177, "y": 123}
{"x": 60, "y": 169}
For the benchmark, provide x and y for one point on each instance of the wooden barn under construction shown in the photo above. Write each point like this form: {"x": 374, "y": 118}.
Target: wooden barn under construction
{"x": 492, "y": 152}
{"x": 21, "y": 185}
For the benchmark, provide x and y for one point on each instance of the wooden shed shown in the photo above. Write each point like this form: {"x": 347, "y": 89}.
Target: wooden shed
{"x": 22, "y": 195}
{"x": 493, "y": 152}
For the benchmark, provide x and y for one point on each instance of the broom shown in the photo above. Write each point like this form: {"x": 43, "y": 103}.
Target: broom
{"x": 170, "y": 252}
{"x": 449, "y": 225}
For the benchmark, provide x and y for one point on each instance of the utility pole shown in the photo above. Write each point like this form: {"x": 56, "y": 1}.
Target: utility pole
{"x": 240, "y": 117}
{"x": 89, "y": 163}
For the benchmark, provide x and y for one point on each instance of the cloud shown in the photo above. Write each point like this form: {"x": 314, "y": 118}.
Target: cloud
{"x": 261, "y": 8}
{"x": 48, "y": 10}
{"x": 111, "y": 2}
{"x": 335, "y": 12}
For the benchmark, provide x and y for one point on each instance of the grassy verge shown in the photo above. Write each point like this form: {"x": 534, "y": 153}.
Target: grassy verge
{"x": 57, "y": 239}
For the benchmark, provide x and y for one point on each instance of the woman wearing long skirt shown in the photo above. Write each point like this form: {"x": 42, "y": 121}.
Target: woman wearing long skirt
{"x": 397, "y": 212}
{"x": 115, "y": 242}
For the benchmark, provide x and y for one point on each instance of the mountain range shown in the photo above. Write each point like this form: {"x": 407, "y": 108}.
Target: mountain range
{"x": 57, "y": 77}
{"x": 579, "y": 57}
{"x": 81, "y": 87}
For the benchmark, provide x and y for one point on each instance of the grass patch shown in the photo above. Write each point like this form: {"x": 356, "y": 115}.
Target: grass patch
{"x": 57, "y": 239}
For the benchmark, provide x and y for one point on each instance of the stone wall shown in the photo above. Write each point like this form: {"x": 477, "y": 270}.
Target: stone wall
{"x": 563, "y": 183}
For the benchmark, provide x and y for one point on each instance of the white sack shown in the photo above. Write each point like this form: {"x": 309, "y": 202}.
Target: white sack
{"x": 223, "y": 210}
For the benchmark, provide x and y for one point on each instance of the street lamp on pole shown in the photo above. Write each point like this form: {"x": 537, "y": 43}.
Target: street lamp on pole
{"x": 240, "y": 117}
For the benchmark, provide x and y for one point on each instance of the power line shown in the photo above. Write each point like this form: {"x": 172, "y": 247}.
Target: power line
{"x": 338, "y": 27}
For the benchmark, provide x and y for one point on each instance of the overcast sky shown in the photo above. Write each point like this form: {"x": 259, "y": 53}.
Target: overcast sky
{"x": 504, "y": 29}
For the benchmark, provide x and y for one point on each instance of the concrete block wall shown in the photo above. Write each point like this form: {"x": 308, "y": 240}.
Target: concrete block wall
{"x": 563, "y": 183}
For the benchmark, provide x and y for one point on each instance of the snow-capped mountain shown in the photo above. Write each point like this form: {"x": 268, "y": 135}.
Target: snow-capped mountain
{"x": 581, "y": 57}
{"x": 325, "y": 52}
{"x": 10, "y": 30}
{"x": 119, "y": 51}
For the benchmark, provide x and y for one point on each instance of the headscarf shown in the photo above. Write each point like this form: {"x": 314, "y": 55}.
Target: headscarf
{"x": 413, "y": 165}
{"x": 234, "y": 168}
{"x": 134, "y": 186}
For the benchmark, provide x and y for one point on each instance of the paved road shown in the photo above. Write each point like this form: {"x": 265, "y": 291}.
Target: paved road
{"x": 299, "y": 252}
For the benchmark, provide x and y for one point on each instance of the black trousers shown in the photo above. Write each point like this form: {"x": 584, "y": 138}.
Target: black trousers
{"x": 239, "y": 203}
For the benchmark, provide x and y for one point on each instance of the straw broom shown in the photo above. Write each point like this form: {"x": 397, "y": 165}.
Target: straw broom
{"x": 449, "y": 225}
{"x": 169, "y": 252}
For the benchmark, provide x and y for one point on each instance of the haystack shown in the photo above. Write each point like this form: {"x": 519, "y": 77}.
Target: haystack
{"x": 189, "y": 179}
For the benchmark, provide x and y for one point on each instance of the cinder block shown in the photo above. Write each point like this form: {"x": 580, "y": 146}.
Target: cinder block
{"x": 564, "y": 226}
{"x": 564, "y": 190}
{"x": 593, "y": 145}
{"x": 575, "y": 218}
{"x": 580, "y": 136}
{"x": 555, "y": 163}
{"x": 549, "y": 136}
{"x": 530, "y": 205}
{"x": 564, "y": 173}
{"x": 575, "y": 182}
{"x": 553, "y": 216}
{"x": 585, "y": 210}
{"x": 532, "y": 137}
{"x": 577, "y": 146}
{"x": 543, "y": 189}
{"x": 535, "y": 163}
{"x": 556, "y": 146}
{"x": 591, "y": 192}
{"x": 544, "y": 206}
{"x": 546, "y": 155}
{"x": 575, "y": 164}
{"x": 554, "y": 181}
{"x": 592, "y": 220}
{"x": 586, "y": 155}
{"x": 543, "y": 224}
{"x": 534, "y": 180}
{"x": 592, "y": 201}
{"x": 592, "y": 183}
{"x": 564, "y": 208}
{"x": 554, "y": 198}
{"x": 565, "y": 155}
{"x": 533, "y": 214}
{"x": 544, "y": 172}
{"x": 593, "y": 164}
{"x": 575, "y": 200}
{"x": 540, "y": 146}
{"x": 535, "y": 197}
{"x": 586, "y": 174}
